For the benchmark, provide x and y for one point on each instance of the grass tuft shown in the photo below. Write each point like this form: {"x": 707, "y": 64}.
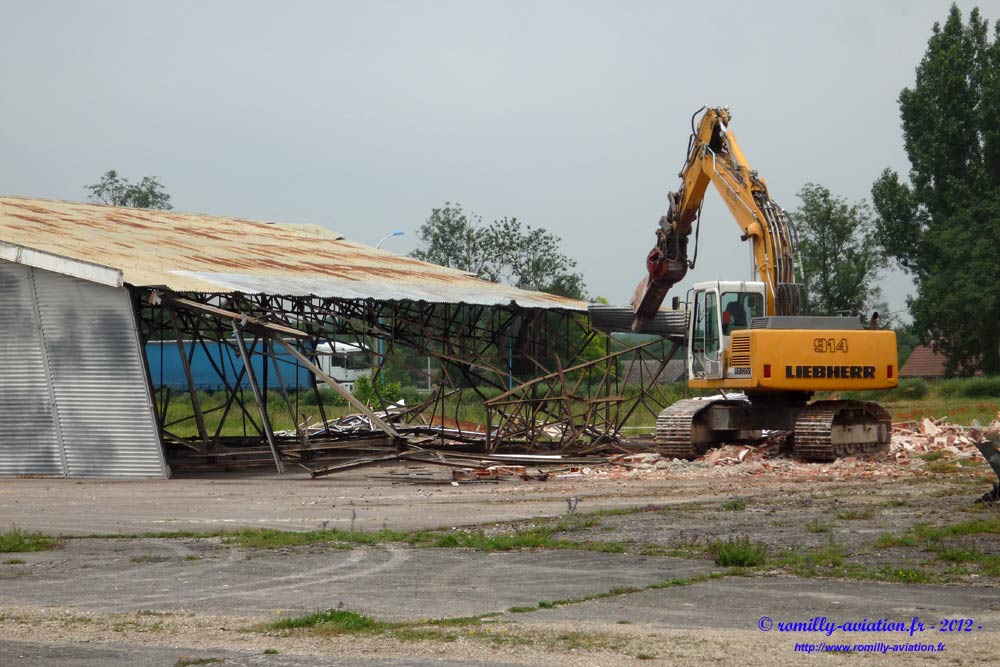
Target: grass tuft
{"x": 17, "y": 540}
{"x": 817, "y": 526}
{"x": 738, "y": 552}
{"x": 331, "y": 621}
{"x": 904, "y": 575}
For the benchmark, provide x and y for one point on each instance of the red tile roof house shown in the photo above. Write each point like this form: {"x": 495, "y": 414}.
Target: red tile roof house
{"x": 923, "y": 363}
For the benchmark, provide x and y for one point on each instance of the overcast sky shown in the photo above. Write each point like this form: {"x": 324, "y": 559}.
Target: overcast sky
{"x": 363, "y": 116}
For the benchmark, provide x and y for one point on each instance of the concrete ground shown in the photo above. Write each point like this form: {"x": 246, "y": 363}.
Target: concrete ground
{"x": 297, "y": 502}
{"x": 185, "y": 601}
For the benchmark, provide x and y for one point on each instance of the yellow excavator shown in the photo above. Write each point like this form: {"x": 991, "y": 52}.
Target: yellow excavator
{"x": 749, "y": 339}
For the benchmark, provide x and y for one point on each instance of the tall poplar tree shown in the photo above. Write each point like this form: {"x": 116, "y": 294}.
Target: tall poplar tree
{"x": 943, "y": 226}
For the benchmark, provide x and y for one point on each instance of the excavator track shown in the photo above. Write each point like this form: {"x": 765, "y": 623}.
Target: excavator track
{"x": 824, "y": 430}
{"x": 674, "y": 433}
{"x": 828, "y": 430}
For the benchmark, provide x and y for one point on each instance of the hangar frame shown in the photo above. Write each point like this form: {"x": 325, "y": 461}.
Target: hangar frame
{"x": 255, "y": 287}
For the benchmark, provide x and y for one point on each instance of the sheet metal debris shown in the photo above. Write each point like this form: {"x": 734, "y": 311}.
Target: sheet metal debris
{"x": 438, "y": 453}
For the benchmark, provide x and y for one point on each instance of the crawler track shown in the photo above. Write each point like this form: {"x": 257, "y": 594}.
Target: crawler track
{"x": 824, "y": 430}
{"x": 674, "y": 435}
{"x": 828, "y": 430}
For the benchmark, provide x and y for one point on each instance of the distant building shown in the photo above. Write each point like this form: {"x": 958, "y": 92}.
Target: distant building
{"x": 923, "y": 363}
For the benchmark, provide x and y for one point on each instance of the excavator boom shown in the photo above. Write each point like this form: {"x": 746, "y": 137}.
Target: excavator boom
{"x": 714, "y": 157}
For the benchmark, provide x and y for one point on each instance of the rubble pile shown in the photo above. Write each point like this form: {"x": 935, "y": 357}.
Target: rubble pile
{"x": 913, "y": 446}
{"x": 911, "y": 439}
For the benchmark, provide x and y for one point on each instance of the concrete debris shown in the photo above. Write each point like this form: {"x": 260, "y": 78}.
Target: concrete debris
{"x": 910, "y": 440}
{"x": 914, "y": 446}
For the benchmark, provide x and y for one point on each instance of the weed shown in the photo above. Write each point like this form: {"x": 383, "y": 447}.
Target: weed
{"x": 576, "y": 641}
{"x": 535, "y": 538}
{"x": 942, "y": 467}
{"x": 147, "y": 558}
{"x": 72, "y": 620}
{"x": 17, "y": 540}
{"x": 811, "y": 563}
{"x": 959, "y": 555}
{"x": 15, "y": 561}
{"x": 271, "y": 651}
{"x": 498, "y": 638}
{"x": 817, "y": 526}
{"x": 931, "y": 456}
{"x": 571, "y": 522}
{"x": 655, "y": 550}
{"x": 856, "y": 515}
{"x": 412, "y": 634}
{"x": 136, "y": 626}
{"x": 738, "y": 552}
{"x": 266, "y": 538}
{"x": 675, "y": 582}
{"x": 971, "y": 527}
{"x": 188, "y": 662}
{"x": 991, "y": 566}
{"x": 459, "y": 620}
{"x": 521, "y": 610}
{"x": 645, "y": 656}
{"x": 735, "y": 505}
{"x": 904, "y": 575}
{"x": 332, "y": 621}
{"x": 886, "y": 540}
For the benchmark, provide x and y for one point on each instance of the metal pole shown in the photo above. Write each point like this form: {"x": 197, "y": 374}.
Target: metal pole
{"x": 199, "y": 417}
{"x": 265, "y": 422}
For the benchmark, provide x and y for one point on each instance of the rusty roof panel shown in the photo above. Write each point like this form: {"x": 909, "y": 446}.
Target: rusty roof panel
{"x": 200, "y": 253}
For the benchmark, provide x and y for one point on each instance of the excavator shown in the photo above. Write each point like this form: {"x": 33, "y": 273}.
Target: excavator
{"x": 749, "y": 340}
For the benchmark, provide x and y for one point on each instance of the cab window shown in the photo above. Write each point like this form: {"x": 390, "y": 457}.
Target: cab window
{"x": 738, "y": 309}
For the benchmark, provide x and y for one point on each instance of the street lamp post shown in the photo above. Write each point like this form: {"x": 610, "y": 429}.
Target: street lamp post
{"x": 388, "y": 236}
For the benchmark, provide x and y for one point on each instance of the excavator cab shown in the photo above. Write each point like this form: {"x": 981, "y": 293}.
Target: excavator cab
{"x": 719, "y": 308}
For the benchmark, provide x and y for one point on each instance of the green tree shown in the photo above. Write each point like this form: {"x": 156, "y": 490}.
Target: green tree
{"x": 943, "y": 227}
{"x": 839, "y": 257}
{"x": 529, "y": 258}
{"x": 114, "y": 190}
{"x": 504, "y": 251}
{"x": 450, "y": 238}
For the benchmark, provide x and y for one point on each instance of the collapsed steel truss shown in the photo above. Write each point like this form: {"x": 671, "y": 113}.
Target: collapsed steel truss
{"x": 545, "y": 377}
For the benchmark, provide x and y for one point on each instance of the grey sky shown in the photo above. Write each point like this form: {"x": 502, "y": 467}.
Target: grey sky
{"x": 362, "y": 116}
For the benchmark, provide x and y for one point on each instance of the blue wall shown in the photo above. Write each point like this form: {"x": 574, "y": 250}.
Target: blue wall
{"x": 166, "y": 368}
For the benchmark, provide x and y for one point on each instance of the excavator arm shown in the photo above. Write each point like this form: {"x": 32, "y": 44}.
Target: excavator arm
{"x": 715, "y": 157}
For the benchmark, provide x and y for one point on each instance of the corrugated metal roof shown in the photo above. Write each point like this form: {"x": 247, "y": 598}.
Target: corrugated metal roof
{"x": 201, "y": 253}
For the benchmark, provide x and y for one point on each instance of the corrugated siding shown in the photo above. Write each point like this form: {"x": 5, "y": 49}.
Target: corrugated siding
{"x": 103, "y": 410}
{"x": 29, "y": 443}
